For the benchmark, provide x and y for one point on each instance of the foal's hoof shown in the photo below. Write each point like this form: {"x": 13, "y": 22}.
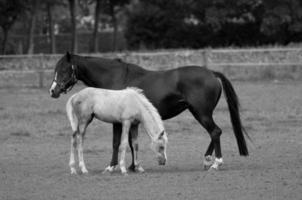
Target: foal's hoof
{"x": 110, "y": 169}
{"x": 124, "y": 173}
{"x": 73, "y": 171}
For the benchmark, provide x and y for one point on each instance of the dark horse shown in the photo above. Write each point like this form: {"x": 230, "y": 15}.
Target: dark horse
{"x": 195, "y": 88}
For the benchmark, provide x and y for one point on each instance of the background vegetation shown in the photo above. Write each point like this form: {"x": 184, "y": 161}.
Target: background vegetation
{"x": 53, "y": 26}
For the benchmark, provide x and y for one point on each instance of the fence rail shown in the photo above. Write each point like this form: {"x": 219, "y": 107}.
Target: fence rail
{"x": 36, "y": 70}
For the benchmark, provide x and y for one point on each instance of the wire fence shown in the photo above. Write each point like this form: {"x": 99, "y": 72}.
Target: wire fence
{"x": 244, "y": 64}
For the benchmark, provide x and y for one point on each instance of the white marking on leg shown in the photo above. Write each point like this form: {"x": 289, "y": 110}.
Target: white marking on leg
{"x": 217, "y": 163}
{"x": 110, "y": 169}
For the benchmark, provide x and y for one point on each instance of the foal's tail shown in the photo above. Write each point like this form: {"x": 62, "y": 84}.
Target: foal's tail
{"x": 71, "y": 115}
{"x": 233, "y": 104}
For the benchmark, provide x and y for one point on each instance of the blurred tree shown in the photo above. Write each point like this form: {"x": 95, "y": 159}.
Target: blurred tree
{"x": 50, "y": 6}
{"x": 156, "y": 24}
{"x": 33, "y": 9}
{"x": 73, "y": 12}
{"x": 96, "y": 25}
{"x": 9, "y": 12}
{"x": 282, "y": 21}
{"x": 112, "y": 7}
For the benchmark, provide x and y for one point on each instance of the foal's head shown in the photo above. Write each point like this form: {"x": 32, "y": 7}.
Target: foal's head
{"x": 159, "y": 146}
{"x": 64, "y": 76}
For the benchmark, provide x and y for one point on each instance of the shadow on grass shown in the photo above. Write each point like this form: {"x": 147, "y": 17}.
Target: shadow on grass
{"x": 20, "y": 134}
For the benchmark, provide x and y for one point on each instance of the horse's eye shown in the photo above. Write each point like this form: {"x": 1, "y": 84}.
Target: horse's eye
{"x": 161, "y": 148}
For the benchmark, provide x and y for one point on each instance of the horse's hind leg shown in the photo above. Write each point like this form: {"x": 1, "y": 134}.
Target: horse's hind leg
{"x": 215, "y": 133}
{"x": 206, "y": 120}
{"x": 208, "y": 160}
{"x": 116, "y": 140}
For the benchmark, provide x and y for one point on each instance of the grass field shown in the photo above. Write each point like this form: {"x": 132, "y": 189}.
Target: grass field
{"x": 35, "y": 138}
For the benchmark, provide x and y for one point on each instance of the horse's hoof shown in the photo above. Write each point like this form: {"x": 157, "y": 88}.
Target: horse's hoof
{"x": 132, "y": 168}
{"x": 109, "y": 169}
{"x": 217, "y": 164}
{"x": 85, "y": 171}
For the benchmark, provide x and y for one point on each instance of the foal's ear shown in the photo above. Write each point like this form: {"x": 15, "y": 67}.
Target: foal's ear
{"x": 68, "y": 56}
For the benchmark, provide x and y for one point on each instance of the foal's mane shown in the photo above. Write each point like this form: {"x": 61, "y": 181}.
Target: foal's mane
{"x": 148, "y": 105}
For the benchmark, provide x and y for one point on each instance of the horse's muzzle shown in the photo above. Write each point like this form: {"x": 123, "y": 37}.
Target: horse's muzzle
{"x": 53, "y": 93}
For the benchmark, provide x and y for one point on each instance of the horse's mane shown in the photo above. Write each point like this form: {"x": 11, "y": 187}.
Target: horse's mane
{"x": 148, "y": 105}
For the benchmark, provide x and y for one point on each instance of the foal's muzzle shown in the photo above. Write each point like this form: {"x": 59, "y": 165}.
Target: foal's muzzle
{"x": 161, "y": 160}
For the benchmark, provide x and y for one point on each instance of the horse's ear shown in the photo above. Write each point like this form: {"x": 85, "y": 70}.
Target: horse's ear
{"x": 68, "y": 56}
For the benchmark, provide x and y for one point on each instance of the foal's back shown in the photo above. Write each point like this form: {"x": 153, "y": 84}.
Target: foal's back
{"x": 106, "y": 105}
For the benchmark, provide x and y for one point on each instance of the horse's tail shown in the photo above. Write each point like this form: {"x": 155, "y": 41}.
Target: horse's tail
{"x": 71, "y": 115}
{"x": 233, "y": 104}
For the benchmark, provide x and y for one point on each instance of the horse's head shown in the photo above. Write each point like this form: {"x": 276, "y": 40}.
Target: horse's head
{"x": 64, "y": 76}
{"x": 159, "y": 146}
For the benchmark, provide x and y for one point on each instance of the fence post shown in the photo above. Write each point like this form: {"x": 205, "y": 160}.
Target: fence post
{"x": 41, "y": 72}
{"x": 205, "y": 54}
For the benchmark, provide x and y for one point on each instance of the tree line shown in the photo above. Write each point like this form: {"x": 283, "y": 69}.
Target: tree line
{"x": 152, "y": 24}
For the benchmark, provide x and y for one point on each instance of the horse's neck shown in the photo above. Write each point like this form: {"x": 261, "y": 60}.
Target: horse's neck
{"x": 135, "y": 72}
{"x": 96, "y": 74}
{"x": 109, "y": 74}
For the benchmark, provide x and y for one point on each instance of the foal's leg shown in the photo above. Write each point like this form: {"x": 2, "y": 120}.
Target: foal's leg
{"x": 82, "y": 131}
{"x": 73, "y": 146}
{"x": 80, "y": 155}
{"x": 124, "y": 142}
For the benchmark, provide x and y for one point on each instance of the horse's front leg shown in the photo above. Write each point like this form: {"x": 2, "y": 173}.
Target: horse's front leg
{"x": 124, "y": 142}
{"x": 116, "y": 140}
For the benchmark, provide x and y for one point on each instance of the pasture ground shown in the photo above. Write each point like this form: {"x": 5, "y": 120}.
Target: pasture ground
{"x": 35, "y": 140}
